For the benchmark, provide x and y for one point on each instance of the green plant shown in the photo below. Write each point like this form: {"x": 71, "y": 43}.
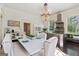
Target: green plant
{"x": 30, "y": 35}
{"x": 44, "y": 29}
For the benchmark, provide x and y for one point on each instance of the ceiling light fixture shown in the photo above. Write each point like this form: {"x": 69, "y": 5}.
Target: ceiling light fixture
{"x": 45, "y": 13}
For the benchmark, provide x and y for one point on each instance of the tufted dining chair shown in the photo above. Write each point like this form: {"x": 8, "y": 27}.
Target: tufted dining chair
{"x": 50, "y": 46}
{"x": 7, "y": 45}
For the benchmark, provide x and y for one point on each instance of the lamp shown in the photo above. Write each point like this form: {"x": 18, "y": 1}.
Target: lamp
{"x": 45, "y": 13}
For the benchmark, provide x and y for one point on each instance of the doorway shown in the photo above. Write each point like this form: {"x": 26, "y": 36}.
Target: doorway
{"x": 27, "y": 28}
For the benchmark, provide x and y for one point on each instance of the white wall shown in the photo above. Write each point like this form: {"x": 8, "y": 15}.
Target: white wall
{"x": 13, "y": 14}
{"x": 0, "y": 25}
{"x": 1, "y": 22}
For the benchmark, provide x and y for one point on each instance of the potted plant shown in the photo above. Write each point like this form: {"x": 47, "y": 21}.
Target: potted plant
{"x": 44, "y": 29}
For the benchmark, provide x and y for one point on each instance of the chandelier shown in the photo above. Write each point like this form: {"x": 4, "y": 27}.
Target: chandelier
{"x": 45, "y": 12}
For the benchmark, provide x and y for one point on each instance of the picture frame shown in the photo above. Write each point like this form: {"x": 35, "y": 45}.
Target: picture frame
{"x": 13, "y": 23}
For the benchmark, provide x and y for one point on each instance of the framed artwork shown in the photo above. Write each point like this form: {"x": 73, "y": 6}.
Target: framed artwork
{"x": 14, "y": 23}
{"x": 73, "y": 25}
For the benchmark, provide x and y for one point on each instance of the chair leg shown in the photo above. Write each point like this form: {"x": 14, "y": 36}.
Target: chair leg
{"x": 1, "y": 46}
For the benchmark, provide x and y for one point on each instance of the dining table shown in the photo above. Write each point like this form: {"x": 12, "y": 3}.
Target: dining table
{"x": 32, "y": 46}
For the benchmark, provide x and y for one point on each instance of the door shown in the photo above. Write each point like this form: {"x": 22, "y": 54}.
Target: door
{"x": 27, "y": 28}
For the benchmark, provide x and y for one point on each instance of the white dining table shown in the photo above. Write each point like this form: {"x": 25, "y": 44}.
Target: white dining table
{"x": 35, "y": 45}
{"x": 32, "y": 46}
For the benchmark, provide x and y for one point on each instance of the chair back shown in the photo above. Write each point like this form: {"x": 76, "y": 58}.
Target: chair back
{"x": 7, "y": 45}
{"x": 50, "y": 46}
{"x": 41, "y": 35}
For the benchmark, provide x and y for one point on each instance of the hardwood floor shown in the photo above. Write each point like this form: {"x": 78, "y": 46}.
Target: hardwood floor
{"x": 71, "y": 48}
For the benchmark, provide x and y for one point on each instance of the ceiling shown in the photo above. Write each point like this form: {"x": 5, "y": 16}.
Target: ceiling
{"x": 36, "y": 8}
